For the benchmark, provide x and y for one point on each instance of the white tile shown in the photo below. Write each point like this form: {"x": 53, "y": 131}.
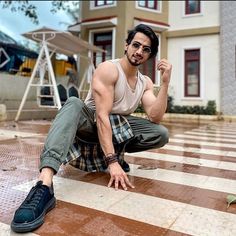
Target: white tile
{"x": 84, "y": 194}
{"x": 213, "y": 144}
{"x": 186, "y": 136}
{"x": 194, "y": 180}
{"x": 202, "y": 221}
{"x": 215, "y": 131}
{"x": 231, "y": 154}
{"x": 185, "y": 160}
{"x": 5, "y": 230}
{"x": 210, "y": 135}
{"x": 14, "y": 134}
{"x": 148, "y": 209}
{"x": 198, "y": 150}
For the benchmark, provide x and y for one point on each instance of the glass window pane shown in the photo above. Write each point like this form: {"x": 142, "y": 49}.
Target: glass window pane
{"x": 110, "y": 2}
{"x": 104, "y": 41}
{"x": 141, "y": 3}
{"x": 108, "y": 53}
{"x": 99, "y": 3}
{"x": 147, "y": 69}
{"x": 98, "y": 58}
{"x": 192, "y": 6}
{"x": 192, "y": 78}
{"x": 104, "y": 37}
{"x": 151, "y": 4}
{"x": 103, "y": 3}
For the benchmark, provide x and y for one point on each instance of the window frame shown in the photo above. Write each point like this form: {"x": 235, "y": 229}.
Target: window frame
{"x": 94, "y": 31}
{"x": 157, "y": 77}
{"x": 186, "y": 13}
{"x": 186, "y": 95}
{"x": 103, "y": 43}
{"x": 159, "y": 10}
{"x": 93, "y": 6}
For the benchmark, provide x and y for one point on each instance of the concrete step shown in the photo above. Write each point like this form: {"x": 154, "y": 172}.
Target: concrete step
{"x": 15, "y": 104}
{"x": 32, "y": 114}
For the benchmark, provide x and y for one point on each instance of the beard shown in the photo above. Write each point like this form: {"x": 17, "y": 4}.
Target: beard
{"x": 134, "y": 62}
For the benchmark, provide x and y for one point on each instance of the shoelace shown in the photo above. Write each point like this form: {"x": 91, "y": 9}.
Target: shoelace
{"x": 34, "y": 198}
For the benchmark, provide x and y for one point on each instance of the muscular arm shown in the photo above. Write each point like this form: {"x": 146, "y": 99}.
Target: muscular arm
{"x": 155, "y": 106}
{"x": 103, "y": 83}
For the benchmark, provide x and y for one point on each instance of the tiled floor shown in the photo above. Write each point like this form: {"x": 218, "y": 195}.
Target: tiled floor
{"x": 180, "y": 189}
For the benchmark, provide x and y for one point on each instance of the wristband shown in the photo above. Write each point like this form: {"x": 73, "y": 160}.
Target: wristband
{"x": 111, "y": 158}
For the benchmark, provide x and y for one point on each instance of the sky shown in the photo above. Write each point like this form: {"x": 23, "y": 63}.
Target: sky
{"x": 16, "y": 23}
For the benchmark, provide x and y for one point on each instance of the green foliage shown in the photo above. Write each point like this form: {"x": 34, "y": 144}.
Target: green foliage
{"x": 209, "y": 109}
{"x": 30, "y": 10}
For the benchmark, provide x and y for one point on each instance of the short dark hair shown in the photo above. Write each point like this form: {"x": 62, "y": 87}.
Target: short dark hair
{"x": 149, "y": 33}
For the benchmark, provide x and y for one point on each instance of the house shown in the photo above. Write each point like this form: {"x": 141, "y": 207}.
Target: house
{"x": 189, "y": 34}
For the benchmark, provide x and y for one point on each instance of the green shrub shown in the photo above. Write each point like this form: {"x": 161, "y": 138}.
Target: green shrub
{"x": 209, "y": 109}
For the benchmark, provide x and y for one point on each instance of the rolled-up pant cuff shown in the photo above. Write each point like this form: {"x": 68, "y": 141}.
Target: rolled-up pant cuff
{"x": 50, "y": 163}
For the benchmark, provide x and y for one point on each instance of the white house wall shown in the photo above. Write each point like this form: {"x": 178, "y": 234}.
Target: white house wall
{"x": 207, "y": 18}
{"x": 209, "y": 69}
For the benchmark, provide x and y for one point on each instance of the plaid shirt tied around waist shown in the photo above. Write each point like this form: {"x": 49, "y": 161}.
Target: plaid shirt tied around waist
{"x": 90, "y": 157}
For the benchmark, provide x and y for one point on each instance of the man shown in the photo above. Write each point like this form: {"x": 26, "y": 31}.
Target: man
{"x": 116, "y": 90}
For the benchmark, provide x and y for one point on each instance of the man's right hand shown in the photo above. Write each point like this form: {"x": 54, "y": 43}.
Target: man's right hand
{"x": 118, "y": 177}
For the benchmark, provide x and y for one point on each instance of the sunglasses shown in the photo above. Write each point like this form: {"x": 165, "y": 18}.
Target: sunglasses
{"x": 145, "y": 49}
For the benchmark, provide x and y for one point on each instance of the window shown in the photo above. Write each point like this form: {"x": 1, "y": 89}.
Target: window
{"x": 192, "y": 7}
{"x": 103, "y": 41}
{"x": 153, "y": 5}
{"x": 103, "y": 3}
{"x": 148, "y": 68}
{"x": 192, "y": 73}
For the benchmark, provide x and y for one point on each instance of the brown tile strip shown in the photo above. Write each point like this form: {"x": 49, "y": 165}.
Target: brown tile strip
{"x": 71, "y": 219}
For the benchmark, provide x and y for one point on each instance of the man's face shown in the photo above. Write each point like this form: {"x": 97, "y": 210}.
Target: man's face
{"x": 139, "y": 50}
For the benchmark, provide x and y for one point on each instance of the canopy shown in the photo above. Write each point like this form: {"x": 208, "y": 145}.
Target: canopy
{"x": 61, "y": 41}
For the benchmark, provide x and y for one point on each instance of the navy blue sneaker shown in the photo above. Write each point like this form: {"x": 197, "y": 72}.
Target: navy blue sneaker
{"x": 30, "y": 215}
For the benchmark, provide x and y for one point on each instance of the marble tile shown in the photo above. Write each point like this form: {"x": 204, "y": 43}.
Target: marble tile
{"x": 198, "y": 181}
{"x": 210, "y": 134}
{"x": 215, "y": 130}
{"x": 199, "y": 142}
{"x": 198, "y": 150}
{"x": 202, "y": 221}
{"x": 84, "y": 194}
{"x": 13, "y": 134}
{"x": 186, "y": 136}
{"x": 186, "y": 160}
{"x": 151, "y": 210}
{"x": 5, "y": 230}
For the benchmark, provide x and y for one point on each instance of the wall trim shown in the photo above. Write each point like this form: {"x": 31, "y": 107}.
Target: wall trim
{"x": 193, "y": 32}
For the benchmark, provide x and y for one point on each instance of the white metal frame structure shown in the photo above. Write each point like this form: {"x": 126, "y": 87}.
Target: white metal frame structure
{"x": 43, "y": 63}
{"x": 54, "y": 41}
